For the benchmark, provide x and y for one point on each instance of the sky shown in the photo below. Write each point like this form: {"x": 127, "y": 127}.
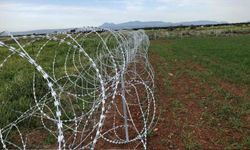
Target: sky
{"x": 23, "y": 15}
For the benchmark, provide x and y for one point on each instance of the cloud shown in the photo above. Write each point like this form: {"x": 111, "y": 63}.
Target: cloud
{"x": 27, "y": 14}
{"x": 30, "y": 16}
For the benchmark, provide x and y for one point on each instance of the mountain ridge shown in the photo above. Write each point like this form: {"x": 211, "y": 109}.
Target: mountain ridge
{"x": 149, "y": 24}
{"x": 125, "y": 25}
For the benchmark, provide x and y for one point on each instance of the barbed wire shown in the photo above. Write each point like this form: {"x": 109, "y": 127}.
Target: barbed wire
{"x": 88, "y": 87}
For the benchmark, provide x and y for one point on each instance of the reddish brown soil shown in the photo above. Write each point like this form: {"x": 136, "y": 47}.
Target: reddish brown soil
{"x": 235, "y": 90}
{"x": 184, "y": 128}
{"x": 177, "y": 130}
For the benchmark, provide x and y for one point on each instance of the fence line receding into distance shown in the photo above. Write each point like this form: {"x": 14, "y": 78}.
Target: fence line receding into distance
{"x": 76, "y": 90}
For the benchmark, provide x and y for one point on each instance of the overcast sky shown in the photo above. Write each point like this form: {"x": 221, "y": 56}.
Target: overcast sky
{"x": 21, "y": 15}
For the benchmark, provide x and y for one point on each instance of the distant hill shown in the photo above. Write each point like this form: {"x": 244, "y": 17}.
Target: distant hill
{"x": 126, "y": 25}
{"x": 136, "y": 24}
{"x": 151, "y": 24}
{"x": 200, "y": 23}
{"x": 43, "y": 31}
{"x": 2, "y": 33}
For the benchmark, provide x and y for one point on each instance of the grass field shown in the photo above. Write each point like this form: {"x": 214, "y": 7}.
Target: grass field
{"x": 203, "y": 86}
{"x": 17, "y": 74}
{"x": 16, "y": 78}
{"x": 70, "y": 72}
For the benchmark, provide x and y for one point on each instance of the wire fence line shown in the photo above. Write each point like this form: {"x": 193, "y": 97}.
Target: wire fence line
{"x": 86, "y": 88}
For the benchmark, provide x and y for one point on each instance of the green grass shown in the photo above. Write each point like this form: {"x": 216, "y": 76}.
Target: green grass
{"x": 190, "y": 142}
{"x": 16, "y": 76}
{"x": 212, "y": 61}
{"x": 227, "y": 58}
{"x": 221, "y": 59}
{"x": 177, "y": 105}
{"x": 16, "y": 82}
